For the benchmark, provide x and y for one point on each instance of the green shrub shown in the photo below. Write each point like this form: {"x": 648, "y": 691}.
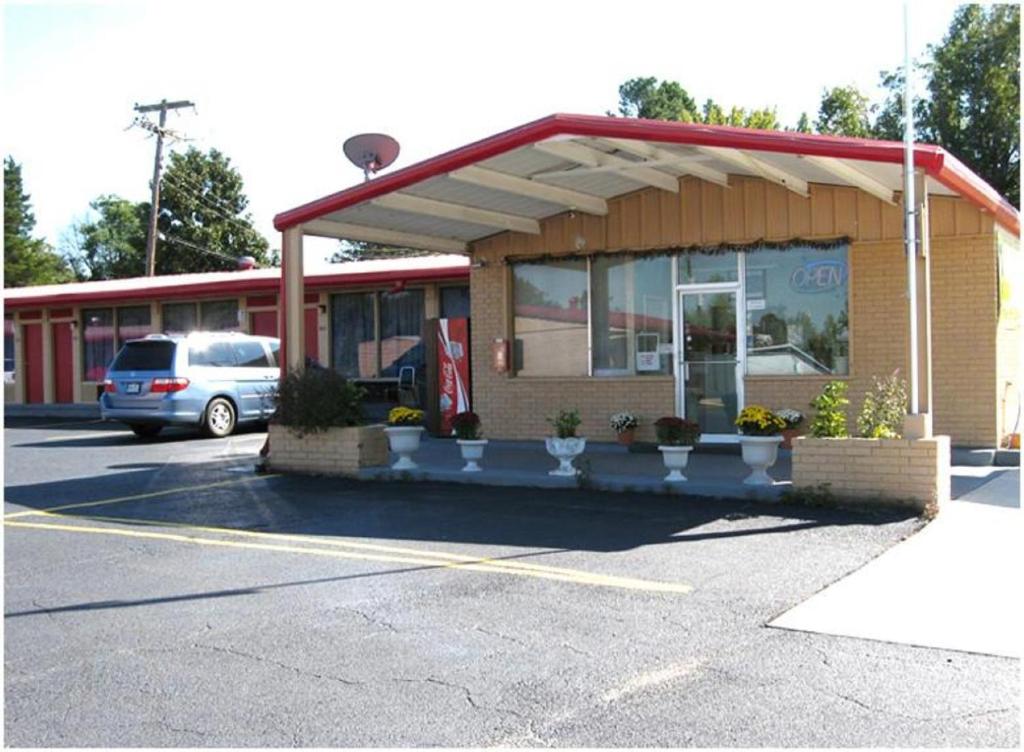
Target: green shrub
{"x": 316, "y": 399}
{"x": 673, "y": 431}
{"x": 830, "y": 406}
{"x": 566, "y": 423}
{"x": 884, "y": 408}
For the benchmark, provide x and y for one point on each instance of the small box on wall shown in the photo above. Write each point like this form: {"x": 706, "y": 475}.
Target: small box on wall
{"x": 499, "y": 355}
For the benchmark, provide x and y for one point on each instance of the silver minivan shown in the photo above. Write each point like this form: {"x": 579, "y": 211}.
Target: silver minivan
{"x": 212, "y": 380}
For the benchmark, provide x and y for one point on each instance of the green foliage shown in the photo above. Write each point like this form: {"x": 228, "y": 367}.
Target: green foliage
{"x": 315, "y": 399}
{"x": 803, "y": 125}
{"x": 844, "y": 111}
{"x": 830, "y": 406}
{"x": 111, "y": 246}
{"x": 674, "y": 431}
{"x": 885, "y": 406}
{"x": 647, "y": 98}
{"x": 566, "y": 422}
{"x": 466, "y": 426}
{"x": 27, "y": 260}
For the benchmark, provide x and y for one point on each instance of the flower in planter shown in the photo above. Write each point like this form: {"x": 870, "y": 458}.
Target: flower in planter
{"x": 792, "y": 418}
{"x": 405, "y": 416}
{"x": 758, "y": 420}
{"x": 466, "y": 426}
{"x": 566, "y": 423}
{"x": 673, "y": 431}
{"x": 622, "y": 422}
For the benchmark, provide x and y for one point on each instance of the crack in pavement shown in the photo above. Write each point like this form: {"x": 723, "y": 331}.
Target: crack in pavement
{"x": 278, "y": 664}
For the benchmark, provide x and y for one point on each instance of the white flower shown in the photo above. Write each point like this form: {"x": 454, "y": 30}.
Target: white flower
{"x": 792, "y": 417}
{"x": 621, "y": 422}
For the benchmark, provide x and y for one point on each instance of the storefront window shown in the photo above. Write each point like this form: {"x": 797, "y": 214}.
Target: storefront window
{"x": 98, "y": 324}
{"x": 551, "y": 318}
{"x": 401, "y": 332}
{"x": 180, "y": 318}
{"x": 353, "y": 341}
{"x": 219, "y": 315}
{"x": 631, "y": 315}
{"x": 132, "y": 323}
{"x": 797, "y": 321}
{"x": 455, "y": 302}
{"x": 8, "y": 349}
{"x": 704, "y": 268}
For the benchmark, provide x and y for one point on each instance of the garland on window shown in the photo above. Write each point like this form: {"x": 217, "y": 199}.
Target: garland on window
{"x": 820, "y": 244}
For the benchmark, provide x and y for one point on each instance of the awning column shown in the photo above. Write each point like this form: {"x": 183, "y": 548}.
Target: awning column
{"x": 293, "y": 292}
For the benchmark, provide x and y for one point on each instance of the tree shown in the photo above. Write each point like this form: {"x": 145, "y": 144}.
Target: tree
{"x": 803, "y": 125}
{"x": 111, "y": 246}
{"x": 203, "y": 221}
{"x": 647, "y": 98}
{"x": 844, "y": 111}
{"x": 27, "y": 260}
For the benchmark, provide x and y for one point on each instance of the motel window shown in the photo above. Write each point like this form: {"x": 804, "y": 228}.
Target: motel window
{"x": 455, "y": 302}
{"x": 8, "y": 348}
{"x": 550, "y": 321}
{"x": 631, "y": 315}
{"x": 98, "y": 342}
{"x": 797, "y": 321}
{"x": 401, "y": 332}
{"x": 208, "y": 316}
{"x": 353, "y": 335}
{"x": 132, "y": 323}
{"x": 180, "y": 318}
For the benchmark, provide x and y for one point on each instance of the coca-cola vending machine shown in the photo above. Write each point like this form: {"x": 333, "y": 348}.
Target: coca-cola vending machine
{"x": 452, "y": 370}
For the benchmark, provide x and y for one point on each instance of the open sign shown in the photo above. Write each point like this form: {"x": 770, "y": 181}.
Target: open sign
{"x": 818, "y": 276}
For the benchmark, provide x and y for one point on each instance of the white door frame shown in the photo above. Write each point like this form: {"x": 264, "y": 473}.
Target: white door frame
{"x": 678, "y": 361}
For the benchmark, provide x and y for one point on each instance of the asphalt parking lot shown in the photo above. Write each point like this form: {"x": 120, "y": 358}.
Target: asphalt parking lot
{"x": 159, "y": 593}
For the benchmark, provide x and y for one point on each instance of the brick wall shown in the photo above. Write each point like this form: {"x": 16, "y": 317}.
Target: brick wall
{"x": 915, "y": 472}
{"x": 336, "y": 451}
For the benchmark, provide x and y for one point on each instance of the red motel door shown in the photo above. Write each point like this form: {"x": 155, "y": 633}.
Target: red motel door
{"x": 33, "y": 352}
{"x": 263, "y": 323}
{"x": 62, "y": 365}
{"x": 311, "y": 328}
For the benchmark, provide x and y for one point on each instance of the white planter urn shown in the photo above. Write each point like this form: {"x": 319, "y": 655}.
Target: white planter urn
{"x": 472, "y": 452}
{"x": 760, "y": 453}
{"x": 404, "y": 441}
{"x": 675, "y": 458}
{"x": 565, "y": 451}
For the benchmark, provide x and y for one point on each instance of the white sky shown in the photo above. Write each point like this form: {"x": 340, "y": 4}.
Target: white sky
{"x": 279, "y": 86}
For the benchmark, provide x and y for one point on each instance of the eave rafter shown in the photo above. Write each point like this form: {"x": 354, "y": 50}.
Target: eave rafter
{"x": 760, "y": 167}
{"x": 346, "y": 231}
{"x": 851, "y": 175}
{"x": 501, "y": 181}
{"x": 458, "y": 212}
{"x": 671, "y": 159}
{"x": 588, "y": 156}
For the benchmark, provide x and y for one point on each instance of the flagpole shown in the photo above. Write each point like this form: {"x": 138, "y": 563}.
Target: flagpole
{"x": 910, "y": 224}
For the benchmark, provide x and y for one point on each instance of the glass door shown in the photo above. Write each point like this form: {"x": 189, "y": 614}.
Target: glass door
{"x": 710, "y": 360}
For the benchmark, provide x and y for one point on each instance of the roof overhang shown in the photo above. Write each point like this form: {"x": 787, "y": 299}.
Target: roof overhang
{"x": 515, "y": 179}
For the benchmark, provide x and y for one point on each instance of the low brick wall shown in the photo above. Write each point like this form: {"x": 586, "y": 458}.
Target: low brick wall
{"x": 913, "y": 472}
{"x": 336, "y": 451}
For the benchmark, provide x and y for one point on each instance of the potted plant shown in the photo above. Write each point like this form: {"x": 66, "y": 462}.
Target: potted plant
{"x": 793, "y": 419}
{"x": 404, "y": 432}
{"x": 760, "y": 437}
{"x": 466, "y": 426}
{"x": 565, "y": 445}
{"x": 676, "y": 439}
{"x": 624, "y": 424}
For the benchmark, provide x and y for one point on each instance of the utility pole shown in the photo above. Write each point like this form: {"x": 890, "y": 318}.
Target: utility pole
{"x": 154, "y": 208}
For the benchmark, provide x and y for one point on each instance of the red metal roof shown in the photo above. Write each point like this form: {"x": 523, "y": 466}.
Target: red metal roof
{"x": 935, "y": 161}
{"x": 176, "y": 286}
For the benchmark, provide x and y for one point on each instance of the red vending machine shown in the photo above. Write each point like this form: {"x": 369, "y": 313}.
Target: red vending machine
{"x": 452, "y": 370}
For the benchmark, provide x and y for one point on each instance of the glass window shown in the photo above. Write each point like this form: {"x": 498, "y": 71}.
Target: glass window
{"x": 797, "y": 319}
{"x": 150, "y": 355}
{"x": 455, "y": 302}
{"x": 401, "y": 332}
{"x": 275, "y": 349}
{"x": 215, "y": 354}
{"x": 353, "y": 339}
{"x": 98, "y": 342}
{"x": 550, "y": 318}
{"x": 180, "y": 318}
{"x": 700, "y": 268}
{"x": 631, "y": 315}
{"x": 8, "y": 348}
{"x": 132, "y": 323}
{"x": 250, "y": 355}
{"x": 219, "y": 315}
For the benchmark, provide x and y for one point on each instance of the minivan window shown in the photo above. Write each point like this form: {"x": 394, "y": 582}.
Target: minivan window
{"x": 144, "y": 356}
{"x": 250, "y": 355}
{"x": 216, "y": 354}
{"x": 275, "y": 350}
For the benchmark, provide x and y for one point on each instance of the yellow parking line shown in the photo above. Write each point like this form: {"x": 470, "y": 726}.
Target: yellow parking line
{"x": 134, "y": 497}
{"x": 386, "y": 554}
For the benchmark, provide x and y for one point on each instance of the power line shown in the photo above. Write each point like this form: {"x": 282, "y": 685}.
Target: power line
{"x": 178, "y": 241}
{"x": 198, "y": 192}
{"x": 209, "y": 206}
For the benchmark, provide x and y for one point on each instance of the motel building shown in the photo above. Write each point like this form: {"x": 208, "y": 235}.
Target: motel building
{"x": 611, "y": 264}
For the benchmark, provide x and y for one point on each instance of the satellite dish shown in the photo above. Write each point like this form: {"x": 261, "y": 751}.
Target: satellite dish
{"x": 371, "y": 152}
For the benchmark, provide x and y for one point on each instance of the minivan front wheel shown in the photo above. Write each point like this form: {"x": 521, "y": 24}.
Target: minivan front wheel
{"x": 219, "y": 419}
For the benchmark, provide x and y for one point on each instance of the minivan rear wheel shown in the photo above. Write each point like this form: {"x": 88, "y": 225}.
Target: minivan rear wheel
{"x": 145, "y": 431}
{"x": 219, "y": 419}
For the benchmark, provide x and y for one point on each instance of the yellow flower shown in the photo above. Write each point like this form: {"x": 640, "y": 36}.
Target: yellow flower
{"x": 405, "y": 416}
{"x": 757, "y": 419}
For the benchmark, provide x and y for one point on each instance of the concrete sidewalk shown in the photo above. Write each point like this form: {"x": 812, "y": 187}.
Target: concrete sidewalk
{"x": 954, "y": 585}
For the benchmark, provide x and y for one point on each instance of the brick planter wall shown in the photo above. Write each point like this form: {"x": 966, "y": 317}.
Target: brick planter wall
{"x": 912, "y": 472}
{"x": 336, "y": 451}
